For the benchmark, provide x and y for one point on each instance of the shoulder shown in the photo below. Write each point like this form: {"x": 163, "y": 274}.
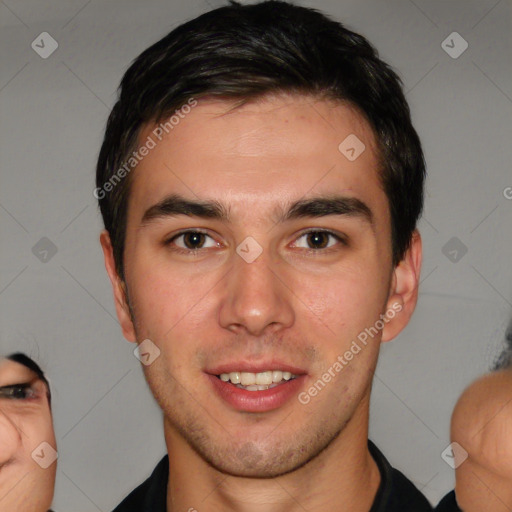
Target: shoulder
{"x": 448, "y": 504}
{"x": 396, "y": 492}
{"x": 151, "y": 495}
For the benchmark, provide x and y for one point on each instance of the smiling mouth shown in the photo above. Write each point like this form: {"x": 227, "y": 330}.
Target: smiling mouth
{"x": 257, "y": 381}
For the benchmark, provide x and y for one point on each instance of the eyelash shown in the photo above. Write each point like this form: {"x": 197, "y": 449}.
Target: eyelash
{"x": 180, "y": 250}
{"x": 12, "y": 392}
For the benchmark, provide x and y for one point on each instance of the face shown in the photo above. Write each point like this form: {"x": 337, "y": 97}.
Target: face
{"x": 25, "y": 423}
{"x": 482, "y": 426}
{"x": 279, "y": 275}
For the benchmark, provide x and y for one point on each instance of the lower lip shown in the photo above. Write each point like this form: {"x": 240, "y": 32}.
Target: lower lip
{"x": 257, "y": 401}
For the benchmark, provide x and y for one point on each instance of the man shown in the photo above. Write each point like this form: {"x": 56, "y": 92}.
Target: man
{"x": 27, "y": 439}
{"x": 260, "y": 182}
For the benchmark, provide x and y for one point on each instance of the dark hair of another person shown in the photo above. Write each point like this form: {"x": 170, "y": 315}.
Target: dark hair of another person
{"x": 505, "y": 359}
{"x": 242, "y": 53}
{"x": 29, "y": 363}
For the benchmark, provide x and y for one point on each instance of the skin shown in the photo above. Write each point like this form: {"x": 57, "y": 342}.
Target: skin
{"x": 296, "y": 302}
{"x": 24, "y": 424}
{"x": 482, "y": 425}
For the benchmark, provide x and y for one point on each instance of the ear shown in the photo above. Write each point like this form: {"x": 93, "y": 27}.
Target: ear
{"x": 403, "y": 293}
{"x": 118, "y": 287}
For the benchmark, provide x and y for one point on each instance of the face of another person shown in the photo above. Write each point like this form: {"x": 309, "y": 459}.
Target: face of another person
{"x": 482, "y": 426}
{"x": 25, "y": 423}
{"x": 297, "y": 306}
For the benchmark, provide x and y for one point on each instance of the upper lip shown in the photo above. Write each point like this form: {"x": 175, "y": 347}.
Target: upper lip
{"x": 254, "y": 367}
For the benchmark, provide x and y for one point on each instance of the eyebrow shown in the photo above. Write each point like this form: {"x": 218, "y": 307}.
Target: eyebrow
{"x": 175, "y": 204}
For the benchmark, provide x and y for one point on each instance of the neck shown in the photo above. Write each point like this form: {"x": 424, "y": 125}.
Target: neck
{"x": 343, "y": 476}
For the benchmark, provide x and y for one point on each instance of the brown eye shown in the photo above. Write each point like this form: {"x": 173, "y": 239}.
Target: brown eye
{"x": 18, "y": 392}
{"x": 191, "y": 241}
{"x": 316, "y": 240}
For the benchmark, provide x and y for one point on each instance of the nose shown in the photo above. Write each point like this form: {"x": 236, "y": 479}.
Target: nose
{"x": 255, "y": 298}
{"x": 10, "y": 438}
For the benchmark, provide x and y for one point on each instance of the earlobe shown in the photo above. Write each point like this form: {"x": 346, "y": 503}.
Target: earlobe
{"x": 118, "y": 288}
{"x": 403, "y": 294}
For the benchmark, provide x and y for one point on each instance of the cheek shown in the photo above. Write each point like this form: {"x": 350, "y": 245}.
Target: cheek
{"x": 48, "y": 431}
{"x": 156, "y": 296}
{"x": 347, "y": 301}
{"x": 167, "y": 303}
{"x": 31, "y": 429}
{"x": 9, "y": 435}
{"x": 38, "y": 428}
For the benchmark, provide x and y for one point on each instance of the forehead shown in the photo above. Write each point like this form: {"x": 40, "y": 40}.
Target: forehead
{"x": 276, "y": 148}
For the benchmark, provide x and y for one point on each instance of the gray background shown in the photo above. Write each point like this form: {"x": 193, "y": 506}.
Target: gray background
{"x": 58, "y": 307}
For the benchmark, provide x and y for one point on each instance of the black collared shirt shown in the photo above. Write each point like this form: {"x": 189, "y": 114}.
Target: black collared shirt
{"x": 448, "y": 504}
{"x": 395, "y": 494}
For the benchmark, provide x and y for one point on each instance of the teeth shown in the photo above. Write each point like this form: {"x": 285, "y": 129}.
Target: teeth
{"x": 234, "y": 377}
{"x": 256, "y": 381}
{"x": 247, "y": 379}
{"x": 277, "y": 376}
{"x": 264, "y": 378}
{"x": 254, "y": 388}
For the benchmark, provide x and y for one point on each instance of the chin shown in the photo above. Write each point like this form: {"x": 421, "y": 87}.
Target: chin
{"x": 250, "y": 461}
{"x": 262, "y": 470}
